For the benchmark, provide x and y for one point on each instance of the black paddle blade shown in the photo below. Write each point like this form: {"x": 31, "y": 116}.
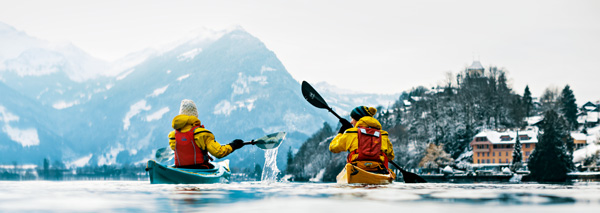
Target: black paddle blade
{"x": 411, "y": 177}
{"x": 312, "y": 96}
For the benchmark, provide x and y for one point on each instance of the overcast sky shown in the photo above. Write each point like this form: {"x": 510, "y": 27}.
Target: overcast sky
{"x": 371, "y": 46}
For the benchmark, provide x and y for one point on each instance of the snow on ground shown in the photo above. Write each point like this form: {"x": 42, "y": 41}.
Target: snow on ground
{"x": 158, "y": 91}
{"x": 266, "y": 69}
{"x": 241, "y": 84}
{"x": 183, "y": 77}
{"x": 157, "y": 115}
{"x": 594, "y": 131}
{"x": 110, "y": 157}
{"x": 225, "y": 107}
{"x": 586, "y": 152}
{"x": 133, "y": 111}
{"x": 124, "y": 75}
{"x": 6, "y": 116}
{"x": 25, "y": 137}
{"x": 81, "y": 162}
{"x": 63, "y": 104}
{"x": 189, "y": 55}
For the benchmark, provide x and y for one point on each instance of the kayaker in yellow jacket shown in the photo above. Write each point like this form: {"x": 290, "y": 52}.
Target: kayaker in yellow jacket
{"x": 192, "y": 142}
{"x": 347, "y": 139}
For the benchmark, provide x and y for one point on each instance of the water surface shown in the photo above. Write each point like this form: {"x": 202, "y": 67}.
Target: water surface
{"x": 140, "y": 196}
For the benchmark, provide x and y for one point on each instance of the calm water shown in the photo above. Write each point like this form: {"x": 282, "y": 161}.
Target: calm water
{"x": 140, "y": 196}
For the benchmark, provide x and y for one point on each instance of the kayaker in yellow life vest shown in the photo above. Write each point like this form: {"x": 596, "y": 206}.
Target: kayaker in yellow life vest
{"x": 192, "y": 142}
{"x": 369, "y": 146}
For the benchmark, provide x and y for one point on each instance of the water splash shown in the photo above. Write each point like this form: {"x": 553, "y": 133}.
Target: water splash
{"x": 270, "y": 170}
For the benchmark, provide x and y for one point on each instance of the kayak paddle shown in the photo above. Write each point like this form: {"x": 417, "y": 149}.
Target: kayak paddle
{"x": 270, "y": 141}
{"x": 313, "y": 97}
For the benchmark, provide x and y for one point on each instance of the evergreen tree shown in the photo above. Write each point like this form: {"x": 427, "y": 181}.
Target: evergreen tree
{"x": 517, "y": 155}
{"x": 528, "y": 102}
{"x": 569, "y": 107}
{"x": 290, "y": 159}
{"x": 551, "y": 160}
{"x": 257, "y": 172}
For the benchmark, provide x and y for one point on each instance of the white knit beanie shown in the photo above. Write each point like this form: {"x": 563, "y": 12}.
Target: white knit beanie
{"x": 188, "y": 107}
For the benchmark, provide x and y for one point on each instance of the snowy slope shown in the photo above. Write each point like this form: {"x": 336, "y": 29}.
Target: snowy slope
{"x": 59, "y": 75}
{"x": 26, "y": 136}
{"x": 240, "y": 87}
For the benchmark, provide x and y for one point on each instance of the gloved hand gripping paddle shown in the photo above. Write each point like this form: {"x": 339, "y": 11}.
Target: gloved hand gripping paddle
{"x": 269, "y": 141}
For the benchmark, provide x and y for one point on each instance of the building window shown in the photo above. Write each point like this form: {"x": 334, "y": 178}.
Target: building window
{"x": 526, "y": 153}
{"x": 499, "y": 160}
{"x": 488, "y": 154}
{"x": 488, "y": 160}
{"x": 493, "y": 160}
{"x": 478, "y": 154}
{"x": 526, "y": 145}
{"x": 499, "y": 153}
{"x": 477, "y": 160}
{"x": 493, "y": 154}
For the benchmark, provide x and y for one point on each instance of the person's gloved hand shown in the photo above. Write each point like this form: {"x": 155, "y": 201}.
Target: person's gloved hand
{"x": 236, "y": 144}
{"x": 345, "y": 125}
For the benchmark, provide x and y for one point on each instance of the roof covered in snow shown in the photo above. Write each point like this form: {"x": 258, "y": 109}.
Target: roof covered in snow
{"x": 579, "y": 136}
{"x": 476, "y": 66}
{"x": 509, "y": 136}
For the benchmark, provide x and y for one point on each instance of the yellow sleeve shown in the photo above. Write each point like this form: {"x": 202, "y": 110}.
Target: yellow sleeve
{"x": 387, "y": 146}
{"x": 338, "y": 144}
{"x": 206, "y": 140}
{"x": 172, "y": 140}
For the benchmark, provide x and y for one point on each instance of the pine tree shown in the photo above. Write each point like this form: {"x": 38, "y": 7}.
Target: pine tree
{"x": 551, "y": 160}
{"x": 290, "y": 159}
{"x": 528, "y": 102}
{"x": 569, "y": 107}
{"x": 517, "y": 155}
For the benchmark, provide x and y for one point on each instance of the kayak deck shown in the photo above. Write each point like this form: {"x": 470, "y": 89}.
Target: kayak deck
{"x": 353, "y": 174}
{"x": 162, "y": 174}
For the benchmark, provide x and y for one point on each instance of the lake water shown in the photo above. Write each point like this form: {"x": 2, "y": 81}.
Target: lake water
{"x": 141, "y": 196}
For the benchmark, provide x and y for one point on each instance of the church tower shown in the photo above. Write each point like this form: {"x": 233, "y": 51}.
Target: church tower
{"x": 475, "y": 70}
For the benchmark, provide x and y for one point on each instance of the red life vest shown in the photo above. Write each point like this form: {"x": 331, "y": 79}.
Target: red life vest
{"x": 369, "y": 146}
{"x": 187, "y": 152}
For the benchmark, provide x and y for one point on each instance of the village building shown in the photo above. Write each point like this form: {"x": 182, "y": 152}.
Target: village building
{"x": 589, "y": 115}
{"x": 496, "y": 146}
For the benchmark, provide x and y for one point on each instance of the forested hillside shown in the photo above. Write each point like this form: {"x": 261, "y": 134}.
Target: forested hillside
{"x": 448, "y": 116}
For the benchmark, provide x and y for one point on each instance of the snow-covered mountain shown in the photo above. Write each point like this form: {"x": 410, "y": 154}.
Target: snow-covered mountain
{"x": 240, "y": 88}
{"x": 56, "y": 74}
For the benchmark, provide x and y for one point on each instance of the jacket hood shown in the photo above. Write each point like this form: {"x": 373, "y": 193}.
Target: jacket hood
{"x": 182, "y": 121}
{"x": 368, "y": 121}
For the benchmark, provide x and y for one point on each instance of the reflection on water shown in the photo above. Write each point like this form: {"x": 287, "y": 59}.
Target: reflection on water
{"x": 96, "y": 196}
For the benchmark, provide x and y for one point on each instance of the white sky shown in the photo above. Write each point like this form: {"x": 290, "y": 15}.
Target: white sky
{"x": 371, "y": 46}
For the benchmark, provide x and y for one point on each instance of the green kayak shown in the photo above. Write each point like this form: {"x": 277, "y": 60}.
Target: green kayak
{"x": 161, "y": 174}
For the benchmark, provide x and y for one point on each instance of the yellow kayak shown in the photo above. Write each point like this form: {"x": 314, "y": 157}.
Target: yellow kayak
{"x": 353, "y": 174}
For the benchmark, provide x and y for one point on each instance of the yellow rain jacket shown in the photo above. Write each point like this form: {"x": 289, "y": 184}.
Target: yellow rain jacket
{"x": 203, "y": 138}
{"x": 349, "y": 140}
